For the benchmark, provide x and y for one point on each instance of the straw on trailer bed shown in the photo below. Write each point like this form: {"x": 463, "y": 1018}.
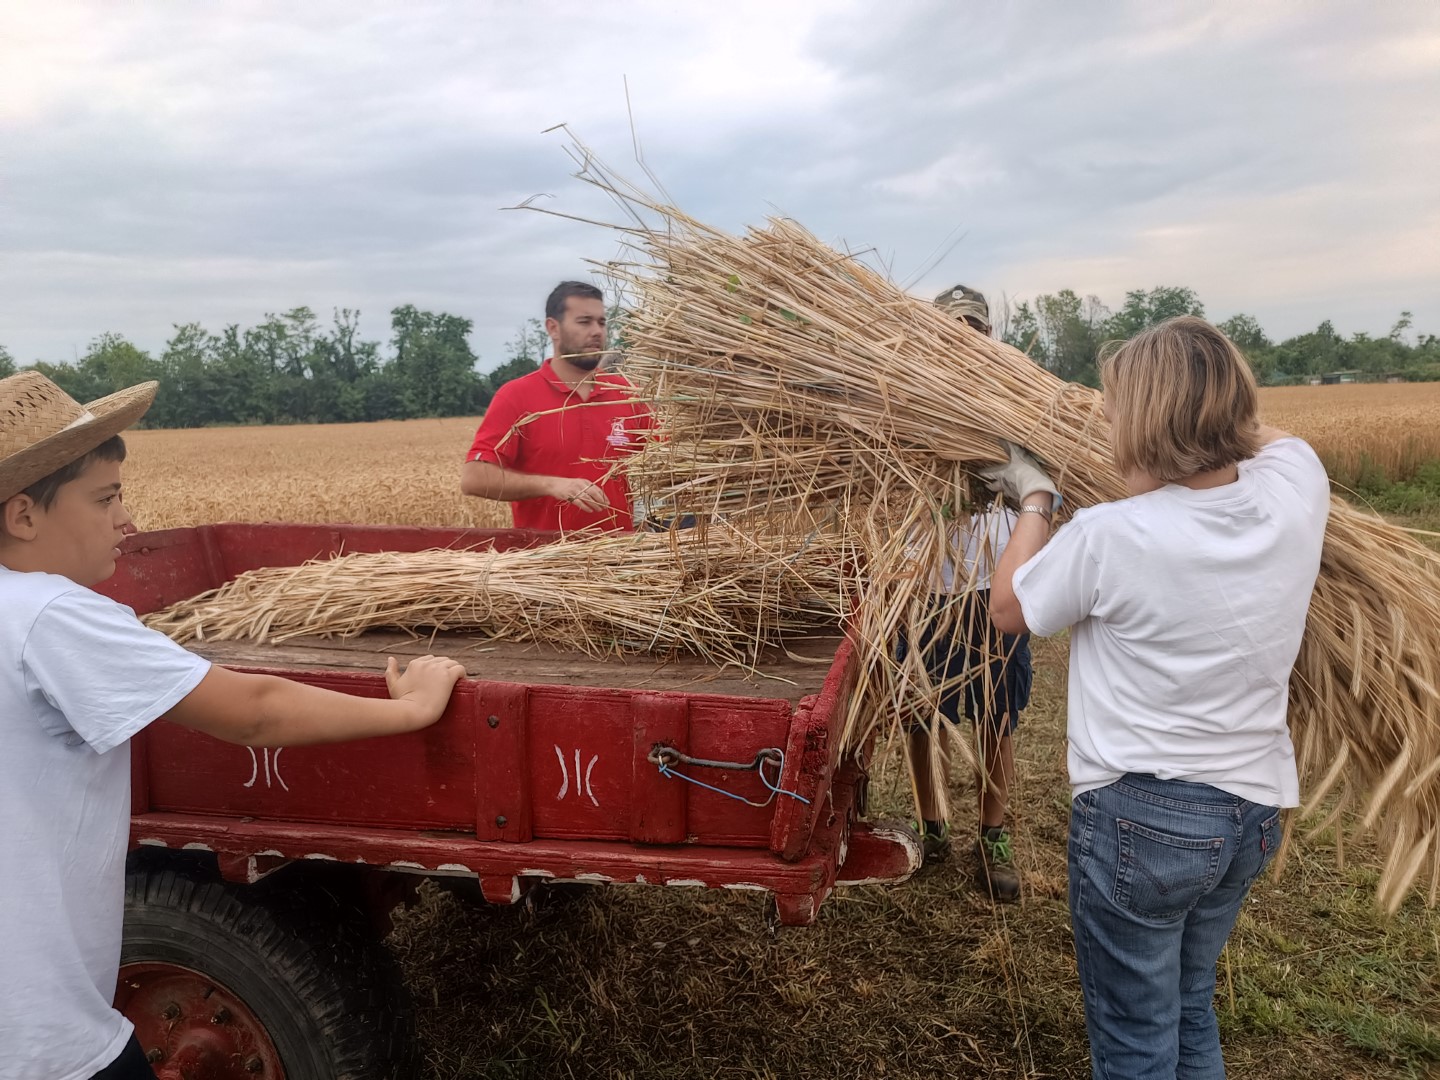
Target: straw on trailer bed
{"x": 725, "y": 600}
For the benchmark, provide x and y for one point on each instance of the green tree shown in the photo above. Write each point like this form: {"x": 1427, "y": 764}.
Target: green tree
{"x": 111, "y": 363}
{"x": 342, "y": 367}
{"x": 1020, "y": 328}
{"x": 189, "y": 379}
{"x": 1245, "y": 332}
{"x": 433, "y": 365}
{"x": 524, "y": 353}
{"x": 1314, "y": 353}
{"x": 1070, "y": 332}
{"x": 7, "y": 363}
{"x": 1143, "y": 309}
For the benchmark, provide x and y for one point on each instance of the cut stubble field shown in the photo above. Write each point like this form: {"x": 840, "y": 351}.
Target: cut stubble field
{"x": 922, "y": 980}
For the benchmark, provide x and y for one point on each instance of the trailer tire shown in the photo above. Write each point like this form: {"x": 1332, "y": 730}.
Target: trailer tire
{"x": 209, "y": 968}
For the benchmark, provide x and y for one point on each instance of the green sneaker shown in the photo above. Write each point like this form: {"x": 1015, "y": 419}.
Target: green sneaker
{"x": 935, "y": 845}
{"x": 995, "y": 873}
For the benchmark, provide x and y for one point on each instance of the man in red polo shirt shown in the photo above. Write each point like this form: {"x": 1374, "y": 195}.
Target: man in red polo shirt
{"x": 549, "y": 438}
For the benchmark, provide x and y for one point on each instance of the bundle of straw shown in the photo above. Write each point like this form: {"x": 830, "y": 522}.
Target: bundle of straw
{"x": 660, "y": 593}
{"x": 789, "y": 374}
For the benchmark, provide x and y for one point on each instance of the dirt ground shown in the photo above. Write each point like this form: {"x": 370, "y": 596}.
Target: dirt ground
{"x": 927, "y": 979}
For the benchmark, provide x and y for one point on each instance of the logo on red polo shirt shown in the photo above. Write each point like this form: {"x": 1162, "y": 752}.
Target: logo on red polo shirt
{"x": 618, "y": 437}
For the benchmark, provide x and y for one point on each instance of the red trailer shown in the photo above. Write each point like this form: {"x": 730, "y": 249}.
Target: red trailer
{"x": 259, "y": 876}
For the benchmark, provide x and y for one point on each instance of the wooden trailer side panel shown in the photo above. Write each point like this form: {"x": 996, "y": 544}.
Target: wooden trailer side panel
{"x": 506, "y": 762}
{"x": 421, "y": 780}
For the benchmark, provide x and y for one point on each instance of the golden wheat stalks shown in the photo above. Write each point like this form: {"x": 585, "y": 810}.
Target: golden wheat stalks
{"x": 614, "y": 593}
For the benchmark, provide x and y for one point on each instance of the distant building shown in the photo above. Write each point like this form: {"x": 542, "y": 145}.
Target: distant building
{"x": 1395, "y": 376}
{"x": 1331, "y": 378}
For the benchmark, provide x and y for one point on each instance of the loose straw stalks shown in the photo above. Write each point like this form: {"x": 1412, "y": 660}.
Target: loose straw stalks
{"x": 790, "y": 377}
{"x": 660, "y": 593}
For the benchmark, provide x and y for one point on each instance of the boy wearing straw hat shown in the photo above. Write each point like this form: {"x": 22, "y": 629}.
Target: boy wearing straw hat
{"x": 79, "y": 676}
{"x": 550, "y": 440}
{"x": 987, "y": 675}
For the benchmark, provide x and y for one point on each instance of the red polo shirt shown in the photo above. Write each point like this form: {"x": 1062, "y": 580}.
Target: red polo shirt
{"x": 537, "y": 424}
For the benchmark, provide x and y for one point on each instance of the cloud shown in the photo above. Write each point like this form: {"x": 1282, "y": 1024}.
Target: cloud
{"x": 173, "y": 163}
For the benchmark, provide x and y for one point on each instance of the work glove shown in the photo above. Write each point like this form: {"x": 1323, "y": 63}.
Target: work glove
{"x": 1020, "y": 476}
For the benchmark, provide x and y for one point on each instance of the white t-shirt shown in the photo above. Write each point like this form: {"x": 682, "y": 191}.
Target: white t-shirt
{"x": 1186, "y": 609}
{"x": 978, "y": 545}
{"x": 79, "y": 675}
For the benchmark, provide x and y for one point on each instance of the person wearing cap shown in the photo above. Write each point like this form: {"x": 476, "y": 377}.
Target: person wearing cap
{"x": 986, "y": 674}
{"x": 80, "y": 675}
{"x": 550, "y": 441}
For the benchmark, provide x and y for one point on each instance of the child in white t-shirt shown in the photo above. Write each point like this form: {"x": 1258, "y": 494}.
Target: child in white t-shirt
{"x": 79, "y": 676}
{"x": 986, "y": 674}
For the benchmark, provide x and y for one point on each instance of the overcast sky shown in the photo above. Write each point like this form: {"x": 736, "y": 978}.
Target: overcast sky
{"x": 175, "y": 162}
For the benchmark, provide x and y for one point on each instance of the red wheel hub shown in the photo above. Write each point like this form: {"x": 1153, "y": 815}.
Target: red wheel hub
{"x": 193, "y": 1028}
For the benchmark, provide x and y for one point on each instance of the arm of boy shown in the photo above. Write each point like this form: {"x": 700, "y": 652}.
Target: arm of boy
{"x": 266, "y": 710}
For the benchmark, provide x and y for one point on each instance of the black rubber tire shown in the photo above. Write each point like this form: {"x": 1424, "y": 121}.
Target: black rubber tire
{"x": 327, "y": 992}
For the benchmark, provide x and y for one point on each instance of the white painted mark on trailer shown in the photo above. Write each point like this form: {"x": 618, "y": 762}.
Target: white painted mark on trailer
{"x": 692, "y": 882}
{"x": 745, "y": 886}
{"x": 455, "y": 866}
{"x": 564, "y": 775}
{"x": 271, "y": 766}
{"x": 588, "y": 770}
{"x": 324, "y": 858}
{"x": 195, "y": 845}
{"x": 582, "y": 777}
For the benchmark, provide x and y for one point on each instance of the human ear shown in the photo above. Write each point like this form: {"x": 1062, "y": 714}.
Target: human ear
{"x": 18, "y": 517}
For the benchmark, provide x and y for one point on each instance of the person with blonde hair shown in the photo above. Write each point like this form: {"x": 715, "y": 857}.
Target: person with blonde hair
{"x": 1186, "y": 604}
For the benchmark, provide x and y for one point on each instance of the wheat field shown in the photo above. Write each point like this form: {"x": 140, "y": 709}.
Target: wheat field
{"x": 387, "y": 473}
{"x": 1394, "y": 427}
{"x": 407, "y": 472}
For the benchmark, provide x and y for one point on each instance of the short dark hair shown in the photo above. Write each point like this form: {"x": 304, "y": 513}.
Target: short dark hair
{"x": 555, "y": 302}
{"x": 44, "y": 490}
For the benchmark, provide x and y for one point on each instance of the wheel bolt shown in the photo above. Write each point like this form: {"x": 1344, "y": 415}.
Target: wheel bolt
{"x": 222, "y": 1016}
{"x": 172, "y": 1011}
{"x": 154, "y": 1055}
{"x": 254, "y": 1065}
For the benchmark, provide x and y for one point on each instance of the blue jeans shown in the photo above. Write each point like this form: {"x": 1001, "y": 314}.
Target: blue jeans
{"x": 1158, "y": 871}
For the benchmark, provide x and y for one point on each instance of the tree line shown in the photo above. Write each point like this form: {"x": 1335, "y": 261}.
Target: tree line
{"x": 292, "y": 369}
{"x": 1065, "y": 333}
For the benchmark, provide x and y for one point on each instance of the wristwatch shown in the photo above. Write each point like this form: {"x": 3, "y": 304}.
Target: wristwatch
{"x": 1032, "y": 508}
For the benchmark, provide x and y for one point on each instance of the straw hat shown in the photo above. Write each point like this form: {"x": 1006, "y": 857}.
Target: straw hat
{"x": 43, "y": 429}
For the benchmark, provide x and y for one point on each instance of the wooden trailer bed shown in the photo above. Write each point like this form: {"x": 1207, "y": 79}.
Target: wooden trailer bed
{"x": 789, "y": 674}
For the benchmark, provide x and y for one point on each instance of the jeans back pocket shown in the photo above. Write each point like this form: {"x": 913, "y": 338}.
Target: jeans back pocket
{"x": 1161, "y": 876}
